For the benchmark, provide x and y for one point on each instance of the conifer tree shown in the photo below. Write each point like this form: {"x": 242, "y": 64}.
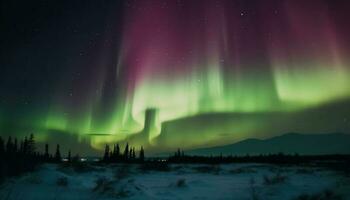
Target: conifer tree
{"x": 106, "y": 154}
{"x": 2, "y": 146}
{"x": 25, "y": 145}
{"x": 179, "y": 152}
{"x": 46, "y": 155}
{"x": 58, "y": 154}
{"x": 69, "y": 156}
{"x": 118, "y": 151}
{"x": 130, "y": 153}
{"x": 15, "y": 146}
{"x": 126, "y": 152}
{"x": 133, "y": 153}
{"x": 9, "y": 145}
{"x": 142, "y": 154}
{"x": 21, "y": 147}
{"x": 113, "y": 154}
{"x": 31, "y": 144}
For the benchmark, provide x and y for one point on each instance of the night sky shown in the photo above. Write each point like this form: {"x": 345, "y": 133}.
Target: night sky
{"x": 205, "y": 73}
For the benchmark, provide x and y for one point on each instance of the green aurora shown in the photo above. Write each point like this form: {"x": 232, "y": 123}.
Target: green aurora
{"x": 200, "y": 83}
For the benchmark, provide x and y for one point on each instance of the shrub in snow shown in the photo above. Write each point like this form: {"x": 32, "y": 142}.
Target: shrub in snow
{"x": 82, "y": 167}
{"x": 181, "y": 183}
{"x": 304, "y": 171}
{"x": 324, "y": 195}
{"x": 103, "y": 185}
{"x": 34, "y": 179}
{"x": 242, "y": 170}
{"x": 275, "y": 179}
{"x": 214, "y": 169}
{"x": 62, "y": 181}
{"x": 253, "y": 191}
{"x": 122, "y": 193}
{"x": 155, "y": 166}
{"x": 122, "y": 172}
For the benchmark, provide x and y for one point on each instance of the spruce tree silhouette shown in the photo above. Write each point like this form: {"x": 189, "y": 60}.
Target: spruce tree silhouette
{"x": 25, "y": 145}
{"x": 110, "y": 155}
{"x": 114, "y": 154}
{"x": 142, "y": 154}
{"x": 46, "y": 155}
{"x": 15, "y": 146}
{"x": 117, "y": 153}
{"x": 9, "y": 145}
{"x": 178, "y": 152}
{"x": 2, "y": 147}
{"x": 106, "y": 154}
{"x": 58, "y": 154}
{"x": 69, "y": 158}
{"x": 130, "y": 154}
{"x": 2, "y": 153}
{"x": 126, "y": 152}
{"x": 31, "y": 144}
{"x": 133, "y": 153}
{"x": 21, "y": 147}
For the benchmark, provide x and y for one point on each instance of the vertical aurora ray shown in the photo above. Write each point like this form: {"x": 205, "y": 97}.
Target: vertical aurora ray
{"x": 210, "y": 64}
{"x": 205, "y": 70}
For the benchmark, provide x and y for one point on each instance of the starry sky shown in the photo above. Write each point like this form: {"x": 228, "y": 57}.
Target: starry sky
{"x": 172, "y": 73}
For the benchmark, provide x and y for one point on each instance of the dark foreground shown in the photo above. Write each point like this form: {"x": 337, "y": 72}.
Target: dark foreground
{"x": 160, "y": 180}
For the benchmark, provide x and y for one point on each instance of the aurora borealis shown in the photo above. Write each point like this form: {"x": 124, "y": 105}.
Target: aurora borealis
{"x": 209, "y": 72}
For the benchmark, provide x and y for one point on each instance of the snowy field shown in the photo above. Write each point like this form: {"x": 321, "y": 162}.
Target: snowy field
{"x": 182, "y": 181}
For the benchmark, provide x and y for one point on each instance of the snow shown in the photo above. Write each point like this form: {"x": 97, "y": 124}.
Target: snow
{"x": 182, "y": 181}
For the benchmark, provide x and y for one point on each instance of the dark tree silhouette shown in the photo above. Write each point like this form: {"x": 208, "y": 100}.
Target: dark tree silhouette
{"x": 142, "y": 154}
{"x": 69, "y": 156}
{"x": 133, "y": 153}
{"x": 58, "y": 154}
{"x": 21, "y": 147}
{"x": 130, "y": 154}
{"x": 25, "y": 145}
{"x": 126, "y": 152}
{"x": 106, "y": 154}
{"x": 46, "y": 155}
{"x": 15, "y": 146}
{"x": 117, "y": 151}
{"x": 2, "y": 147}
{"x": 31, "y": 144}
{"x": 114, "y": 153}
{"x": 9, "y": 145}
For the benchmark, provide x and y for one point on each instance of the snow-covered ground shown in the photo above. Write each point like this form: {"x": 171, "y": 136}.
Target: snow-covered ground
{"x": 231, "y": 181}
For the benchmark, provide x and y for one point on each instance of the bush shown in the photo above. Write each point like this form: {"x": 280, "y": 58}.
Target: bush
{"x": 215, "y": 169}
{"x": 242, "y": 170}
{"x": 324, "y": 195}
{"x": 304, "y": 171}
{"x": 82, "y": 167}
{"x": 34, "y": 179}
{"x": 122, "y": 193}
{"x": 103, "y": 185}
{"x": 155, "y": 166}
{"x": 62, "y": 181}
{"x": 78, "y": 167}
{"x": 273, "y": 180}
{"x": 253, "y": 192}
{"x": 181, "y": 182}
{"x": 122, "y": 172}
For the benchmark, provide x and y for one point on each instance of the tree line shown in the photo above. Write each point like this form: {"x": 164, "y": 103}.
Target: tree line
{"x": 128, "y": 155}
{"x": 279, "y": 158}
{"x": 18, "y": 156}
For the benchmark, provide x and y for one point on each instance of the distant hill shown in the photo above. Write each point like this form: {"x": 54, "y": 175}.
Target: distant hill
{"x": 313, "y": 144}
